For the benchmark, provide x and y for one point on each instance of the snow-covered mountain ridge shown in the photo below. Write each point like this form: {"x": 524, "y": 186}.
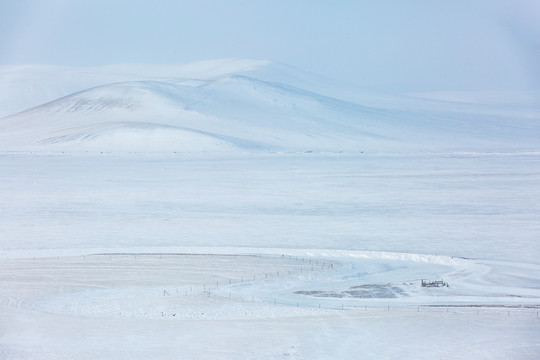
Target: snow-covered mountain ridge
{"x": 246, "y": 105}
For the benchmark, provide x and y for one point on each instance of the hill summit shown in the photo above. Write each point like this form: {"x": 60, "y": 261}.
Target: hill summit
{"x": 240, "y": 105}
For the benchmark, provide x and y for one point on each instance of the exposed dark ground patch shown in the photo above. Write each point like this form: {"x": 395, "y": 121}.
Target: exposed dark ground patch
{"x": 372, "y": 291}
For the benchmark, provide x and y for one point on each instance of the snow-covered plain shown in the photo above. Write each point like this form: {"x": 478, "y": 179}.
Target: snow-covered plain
{"x": 246, "y": 210}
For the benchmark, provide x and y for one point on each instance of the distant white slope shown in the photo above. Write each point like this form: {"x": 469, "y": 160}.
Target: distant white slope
{"x": 229, "y": 105}
{"x": 26, "y": 86}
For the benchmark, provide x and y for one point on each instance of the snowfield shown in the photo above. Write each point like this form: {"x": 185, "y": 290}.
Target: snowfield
{"x": 244, "y": 304}
{"x": 166, "y": 256}
{"x": 240, "y": 209}
{"x": 463, "y": 205}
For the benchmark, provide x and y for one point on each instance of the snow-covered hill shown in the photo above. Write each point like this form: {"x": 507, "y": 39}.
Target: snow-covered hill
{"x": 228, "y": 105}
{"x": 214, "y": 256}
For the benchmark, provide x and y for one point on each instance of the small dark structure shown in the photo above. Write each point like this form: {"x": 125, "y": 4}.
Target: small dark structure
{"x": 436, "y": 283}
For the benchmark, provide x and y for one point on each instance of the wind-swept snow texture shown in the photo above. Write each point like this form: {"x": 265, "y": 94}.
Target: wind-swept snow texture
{"x": 243, "y": 105}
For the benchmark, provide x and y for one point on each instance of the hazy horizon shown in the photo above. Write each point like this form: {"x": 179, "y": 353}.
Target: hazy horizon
{"x": 387, "y": 45}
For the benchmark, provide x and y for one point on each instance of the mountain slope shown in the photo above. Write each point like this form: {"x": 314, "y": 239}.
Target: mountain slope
{"x": 26, "y": 86}
{"x": 222, "y": 106}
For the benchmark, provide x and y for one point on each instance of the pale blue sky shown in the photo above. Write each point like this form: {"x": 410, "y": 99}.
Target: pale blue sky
{"x": 401, "y": 45}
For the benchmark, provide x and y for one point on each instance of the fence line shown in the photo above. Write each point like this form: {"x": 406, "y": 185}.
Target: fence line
{"x": 301, "y": 265}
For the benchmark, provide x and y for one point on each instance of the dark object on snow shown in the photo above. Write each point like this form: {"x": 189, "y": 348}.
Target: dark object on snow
{"x": 436, "y": 283}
